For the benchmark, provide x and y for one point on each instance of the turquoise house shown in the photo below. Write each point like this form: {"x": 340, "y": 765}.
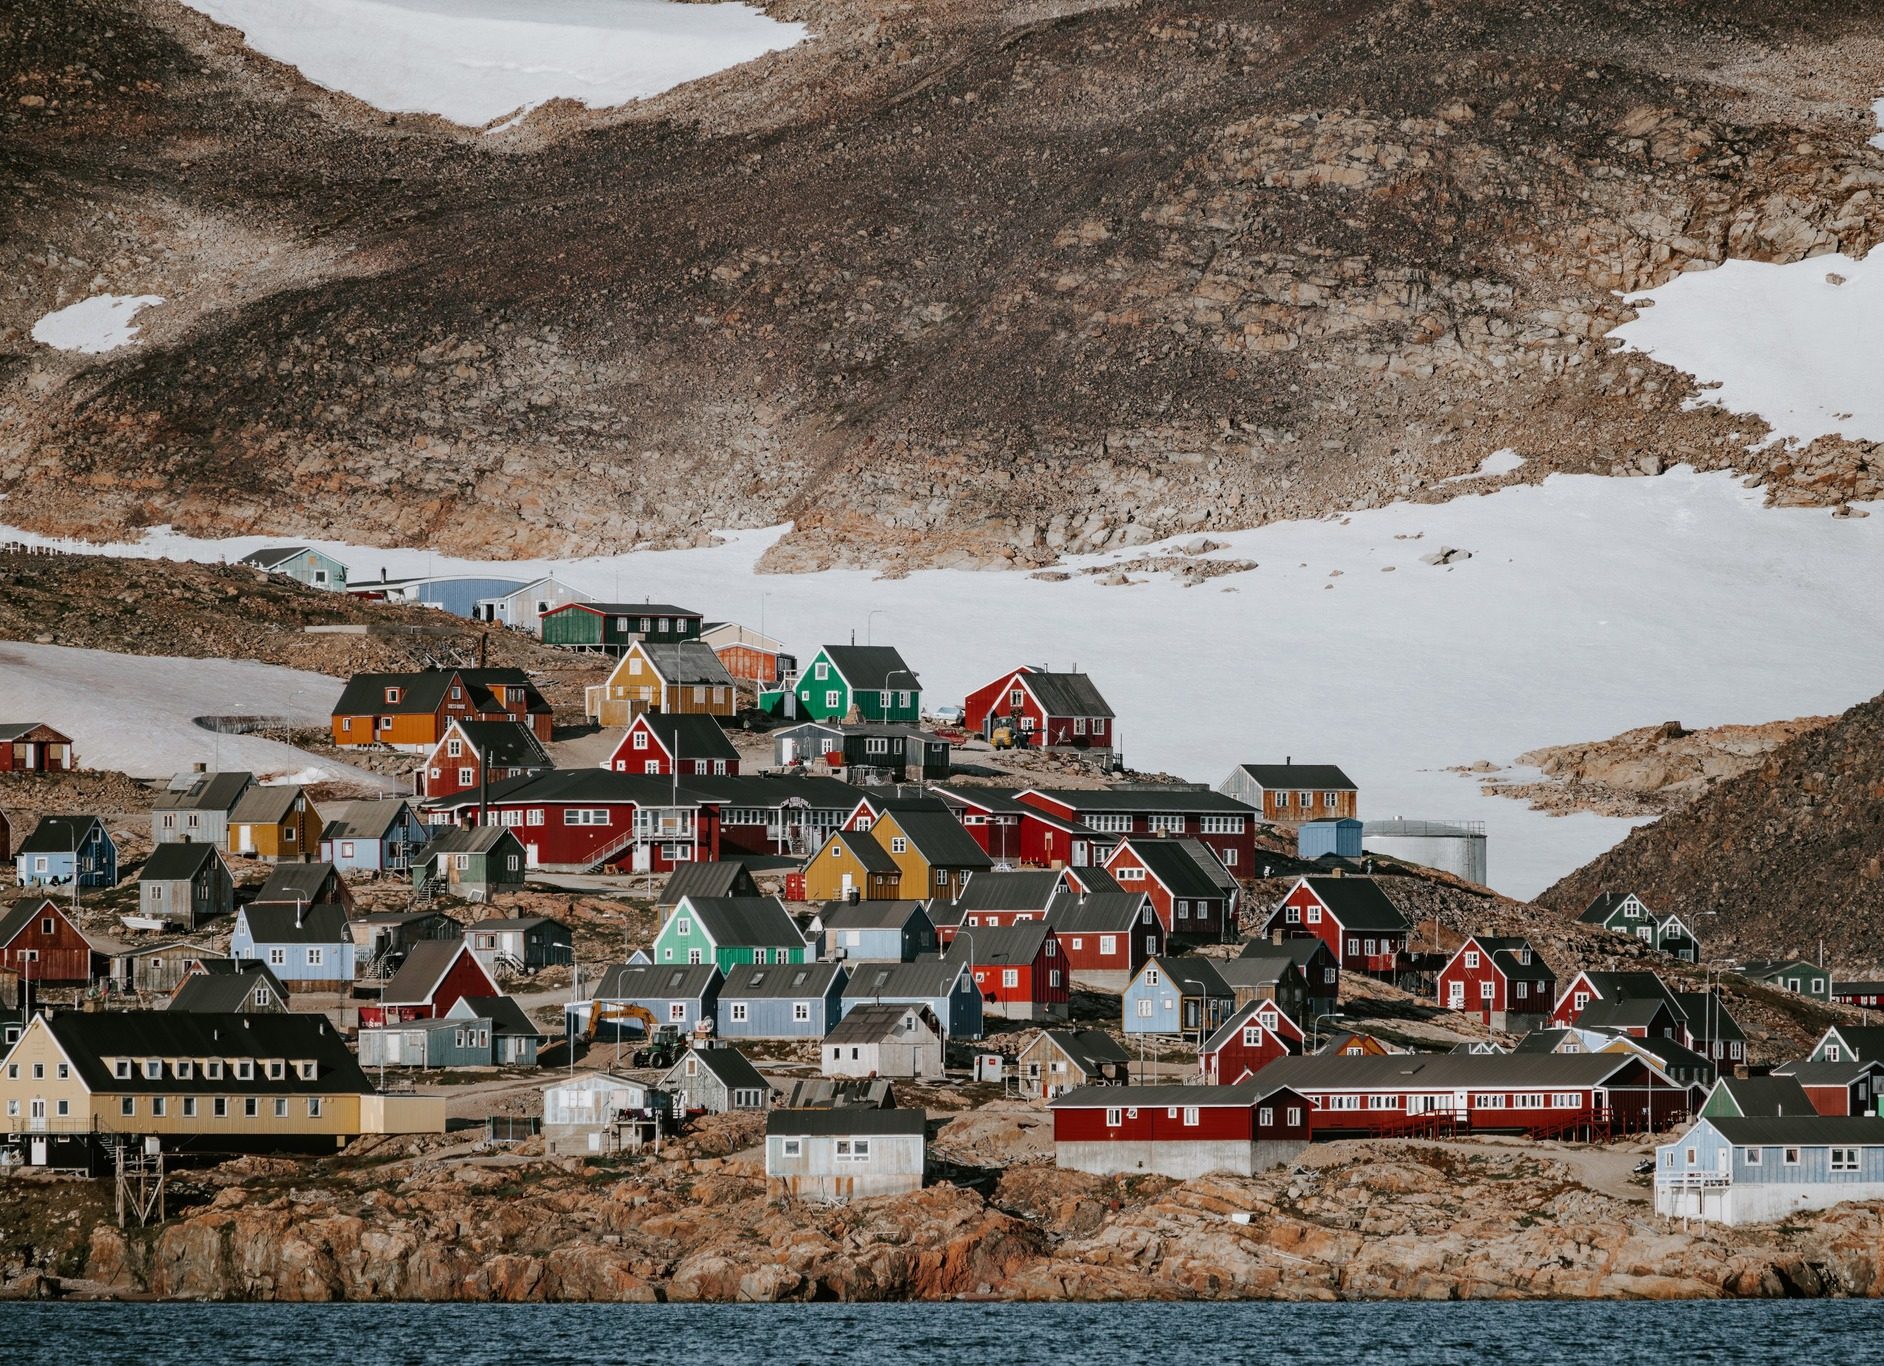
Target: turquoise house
{"x": 872, "y": 678}
{"x": 729, "y": 930}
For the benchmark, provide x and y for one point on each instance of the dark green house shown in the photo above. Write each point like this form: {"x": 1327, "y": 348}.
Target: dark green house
{"x": 872, "y": 678}
{"x": 614, "y": 626}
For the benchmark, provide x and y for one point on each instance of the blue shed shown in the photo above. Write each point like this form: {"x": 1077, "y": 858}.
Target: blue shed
{"x": 1341, "y": 838}
{"x": 782, "y": 1000}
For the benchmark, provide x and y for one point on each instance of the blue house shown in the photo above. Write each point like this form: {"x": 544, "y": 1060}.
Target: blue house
{"x": 309, "y": 948}
{"x": 478, "y": 1031}
{"x": 946, "y": 986}
{"x": 63, "y": 847}
{"x": 1340, "y": 838}
{"x": 1178, "y": 995}
{"x": 781, "y": 1000}
{"x": 875, "y": 931}
{"x": 372, "y": 837}
{"x": 1755, "y": 1170}
{"x": 303, "y": 563}
{"x": 677, "y": 994}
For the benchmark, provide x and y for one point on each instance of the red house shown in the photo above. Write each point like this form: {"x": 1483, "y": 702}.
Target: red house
{"x": 474, "y": 752}
{"x": 1837, "y": 1088}
{"x": 1353, "y": 916}
{"x": 40, "y": 944}
{"x": 1501, "y": 981}
{"x": 1588, "y": 989}
{"x": 1039, "y": 708}
{"x": 1106, "y": 937}
{"x": 1193, "y": 894}
{"x": 1019, "y": 969}
{"x": 582, "y": 819}
{"x": 436, "y": 975}
{"x": 656, "y": 742}
{"x": 1241, "y": 1047}
{"x": 1180, "y": 1131}
{"x": 1227, "y": 825}
{"x": 1013, "y": 831}
{"x": 34, "y": 747}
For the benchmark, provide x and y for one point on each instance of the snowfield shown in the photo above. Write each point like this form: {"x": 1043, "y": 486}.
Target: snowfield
{"x": 95, "y": 325}
{"x": 1799, "y": 344}
{"x": 136, "y": 714}
{"x": 476, "y": 61}
{"x": 1590, "y": 605}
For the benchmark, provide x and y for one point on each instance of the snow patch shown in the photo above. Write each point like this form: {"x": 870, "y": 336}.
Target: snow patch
{"x": 1498, "y": 462}
{"x": 1800, "y": 344}
{"x": 1590, "y": 606}
{"x": 95, "y": 325}
{"x": 1877, "y": 112}
{"x": 475, "y": 61}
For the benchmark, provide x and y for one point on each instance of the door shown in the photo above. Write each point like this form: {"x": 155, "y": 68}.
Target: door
{"x": 788, "y": 752}
{"x": 36, "y": 1119}
{"x": 530, "y": 856}
{"x": 1455, "y": 995}
{"x": 39, "y": 1152}
{"x": 245, "y": 839}
{"x": 847, "y": 887}
{"x": 644, "y": 858}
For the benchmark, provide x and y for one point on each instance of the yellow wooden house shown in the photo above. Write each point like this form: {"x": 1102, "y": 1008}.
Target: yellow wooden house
{"x": 686, "y": 678}
{"x": 275, "y": 823}
{"x": 852, "y": 865}
{"x": 934, "y": 854}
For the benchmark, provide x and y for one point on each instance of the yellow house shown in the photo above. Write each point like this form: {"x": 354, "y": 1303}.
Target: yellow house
{"x": 196, "y": 1082}
{"x": 685, "y": 678}
{"x": 275, "y": 823}
{"x": 934, "y": 854}
{"x": 851, "y": 863}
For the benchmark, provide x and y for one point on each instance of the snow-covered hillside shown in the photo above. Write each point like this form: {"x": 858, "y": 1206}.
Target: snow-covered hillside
{"x": 475, "y": 61}
{"x": 1589, "y": 606}
{"x": 136, "y": 713}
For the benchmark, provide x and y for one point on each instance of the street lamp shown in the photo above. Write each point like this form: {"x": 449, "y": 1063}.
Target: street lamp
{"x": 915, "y": 690}
{"x": 1314, "y": 1027}
{"x": 869, "y": 618}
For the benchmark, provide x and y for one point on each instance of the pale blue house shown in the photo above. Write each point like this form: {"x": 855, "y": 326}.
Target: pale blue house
{"x": 309, "y": 948}
{"x": 1177, "y": 995}
{"x": 782, "y": 1000}
{"x": 302, "y": 563}
{"x": 677, "y": 994}
{"x": 1756, "y": 1170}
{"x": 875, "y": 931}
{"x": 380, "y": 836}
{"x": 945, "y": 986}
{"x": 65, "y": 847}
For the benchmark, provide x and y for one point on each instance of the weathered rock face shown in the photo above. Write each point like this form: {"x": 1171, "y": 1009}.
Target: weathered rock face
{"x": 1379, "y": 1220}
{"x": 947, "y": 283}
{"x": 1784, "y": 855}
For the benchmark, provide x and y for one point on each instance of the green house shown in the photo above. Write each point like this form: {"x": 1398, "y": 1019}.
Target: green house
{"x": 730, "y": 930}
{"x": 872, "y": 678}
{"x": 614, "y": 626}
{"x": 476, "y": 863}
{"x": 1793, "y": 974}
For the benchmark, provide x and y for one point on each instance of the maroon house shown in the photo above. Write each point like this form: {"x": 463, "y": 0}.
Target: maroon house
{"x": 1181, "y": 1131}
{"x": 34, "y": 747}
{"x": 658, "y": 743}
{"x": 436, "y": 975}
{"x": 1106, "y": 936}
{"x": 1241, "y": 1047}
{"x": 1500, "y": 980}
{"x": 1019, "y": 970}
{"x": 1039, "y": 708}
{"x": 1353, "y": 916}
{"x": 1227, "y": 825}
{"x": 39, "y": 943}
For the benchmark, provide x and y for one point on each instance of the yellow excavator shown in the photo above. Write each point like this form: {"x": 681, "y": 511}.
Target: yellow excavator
{"x": 662, "y": 1044}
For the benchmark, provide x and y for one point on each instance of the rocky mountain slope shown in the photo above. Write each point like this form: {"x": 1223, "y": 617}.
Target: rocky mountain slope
{"x": 952, "y": 282}
{"x": 1775, "y": 860}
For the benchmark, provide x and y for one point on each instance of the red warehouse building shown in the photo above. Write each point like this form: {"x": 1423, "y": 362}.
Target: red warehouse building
{"x": 1353, "y": 916}
{"x": 579, "y": 820}
{"x": 1227, "y": 825}
{"x": 1012, "y": 831}
{"x": 1179, "y": 1131}
{"x": 1040, "y": 708}
{"x": 1240, "y": 1048}
{"x": 40, "y": 944}
{"x": 1500, "y": 981}
{"x": 1019, "y": 970}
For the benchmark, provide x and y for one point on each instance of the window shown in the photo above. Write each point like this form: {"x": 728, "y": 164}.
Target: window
{"x": 1471, "y": 958}
{"x": 676, "y": 1011}
{"x": 1844, "y": 1159}
{"x": 641, "y": 739}
{"x": 1131, "y": 874}
{"x": 534, "y": 816}
{"x": 898, "y": 845}
{"x": 393, "y": 694}
{"x": 127, "y": 1106}
{"x": 1527, "y": 1100}
{"x": 278, "y": 957}
{"x": 1354, "y": 947}
{"x": 1753, "y": 1157}
{"x": 313, "y": 1107}
{"x": 281, "y": 1107}
{"x": 153, "y": 1069}
{"x": 1144, "y": 1010}
{"x": 315, "y": 957}
{"x": 1265, "y": 1116}
{"x": 1190, "y": 1115}
{"x": 1566, "y": 1100}
{"x": 738, "y": 1012}
{"x": 1487, "y": 991}
{"x": 1108, "y": 944}
{"x": 251, "y": 1107}
{"x": 189, "y": 1107}
{"x": 1010, "y": 977}
{"x": 1183, "y": 909}
{"x": 683, "y": 926}
{"x": 454, "y": 748}
{"x": 792, "y": 1147}
{"x": 1221, "y": 825}
{"x": 1295, "y": 1115}
{"x": 1113, "y": 1117}
{"x": 244, "y": 1070}
{"x": 213, "y": 1069}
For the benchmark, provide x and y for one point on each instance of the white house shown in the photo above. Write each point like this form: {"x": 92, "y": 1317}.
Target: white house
{"x": 848, "y": 1153}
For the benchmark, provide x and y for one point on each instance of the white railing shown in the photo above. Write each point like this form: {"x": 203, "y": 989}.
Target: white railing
{"x": 1693, "y": 1180}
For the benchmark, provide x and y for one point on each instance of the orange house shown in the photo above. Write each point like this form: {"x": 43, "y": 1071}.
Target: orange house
{"x": 413, "y": 711}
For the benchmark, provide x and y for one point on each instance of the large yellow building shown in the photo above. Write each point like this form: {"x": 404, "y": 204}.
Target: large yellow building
{"x": 206, "y": 1083}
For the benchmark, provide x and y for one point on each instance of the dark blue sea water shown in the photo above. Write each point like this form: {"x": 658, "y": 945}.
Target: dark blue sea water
{"x": 1793, "y": 1333}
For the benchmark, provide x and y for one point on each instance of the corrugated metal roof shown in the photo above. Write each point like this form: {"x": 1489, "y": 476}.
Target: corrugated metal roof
{"x": 782, "y": 981}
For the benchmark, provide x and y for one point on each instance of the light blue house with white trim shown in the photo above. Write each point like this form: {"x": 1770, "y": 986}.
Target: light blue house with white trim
{"x": 309, "y": 948}
{"x": 946, "y": 986}
{"x": 63, "y": 847}
{"x": 677, "y": 994}
{"x": 781, "y": 1000}
{"x": 875, "y": 931}
{"x": 302, "y": 563}
{"x": 1177, "y": 994}
{"x": 1756, "y": 1170}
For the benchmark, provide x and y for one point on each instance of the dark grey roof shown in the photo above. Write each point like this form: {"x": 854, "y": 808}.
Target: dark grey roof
{"x": 1228, "y": 1029}
{"x": 761, "y": 921}
{"x": 865, "y": 849}
{"x": 1825, "y": 1073}
{"x": 657, "y": 982}
{"x": 1509, "y": 952}
{"x": 997, "y": 945}
{"x": 1279, "y": 776}
{"x": 1200, "y": 1097}
{"x": 506, "y": 1016}
{"x": 505, "y": 744}
{"x": 1094, "y": 879}
{"x": 1067, "y": 694}
{"x": 265, "y": 805}
{"x": 424, "y": 969}
{"x": 1773, "y": 1095}
{"x": 939, "y": 837}
{"x": 520, "y": 922}
{"x": 1867, "y": 1041}
{"x": 22, "y": 913}
{"x": 706, "y": 879}
{"x": 725, "y": 1062}
{"x": 1540, "y": 1071}
{"x": 58, "y": 834}
{"x": 846, "y": 1120}
{"x": 1857, "y": 986}
{"x": 177, "y": 862}
{"x": 1709, "y": 1020}
{"x": 1177, "y": 867}
{"x": 1858, "y": 1131}
{"x": 271, "y": 555}
{"x": 1303, "y": 949}
{"x": 1164, "y": 797}
{"x": 868, "y": 915}
{"x": 1603, "y": 906}
{"x": 782, "y": 981}
{"x": 995, "y": 890}
{"x": 927, "y": 978}
{"x": 868, "y": 668}
{"x": 422, "y": 691}
{"x": 873, "y": 1023}
{"x": 225, "y": 986}
{"x": 1358, "y": 903}
{"x": 322, "y": 923}
{"x": 1619, "y": 986}
{"x": 1097, "y": 913}
{"x": 475, "y": 839}
{"x": 688, "y": 735}
{"x": 1193, "y": 976}
{"x": 1090, "y": 1050}
{"x": 1627, "y": 1013}
{"x": 635, "y": 609}
{"x": 363, "y": 820}
{"x": 685, "y": 663}
{"x": 91, "y": 1036}
{"x": 291, "y": 882}
{"x": 202, "y": 792}
{"x": 13, "y": 730}
{"x": 1256, "y": 972}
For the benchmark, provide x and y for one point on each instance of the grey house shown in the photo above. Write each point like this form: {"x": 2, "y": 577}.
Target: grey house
{"x": 303, "y": 563}
{"x": 522, "y": 943}
{"x": 677, "y": 994}
{"x": 847, "y": 1153}
{"x": 875, "y": 931}
{"x": 946, "y": 987}
{"x": 862, "y": 749}
{"x": 475, "y": 864}
{"x": 157, "y": 968}
{"x": 229, "y": 986}
{"x": 184, "y": 885}
{"x": 718, "y": 1079}
{"x": 195, "y": 806}
{"x": 303, "y": 884}
{"x": 478, "y": 1031}
{"x": 781, "y": 1000}
{"x": 885, "y": 1041}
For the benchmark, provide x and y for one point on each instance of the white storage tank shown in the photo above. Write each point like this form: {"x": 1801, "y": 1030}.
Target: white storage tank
{"x": 1456, "y": 847}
